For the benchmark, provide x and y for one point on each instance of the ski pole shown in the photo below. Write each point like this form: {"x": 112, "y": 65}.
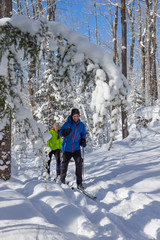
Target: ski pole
{"x": 83, "y": 163}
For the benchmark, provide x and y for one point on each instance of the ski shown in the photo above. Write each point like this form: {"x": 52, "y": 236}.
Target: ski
{"x": 91, "y": 196}
{"x": 86, "y": 193}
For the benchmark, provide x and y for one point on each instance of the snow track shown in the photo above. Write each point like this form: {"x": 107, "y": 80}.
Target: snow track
{"x": 125, "y": 180}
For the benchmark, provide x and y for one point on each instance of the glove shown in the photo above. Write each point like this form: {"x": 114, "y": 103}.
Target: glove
{"x": 66, "y": 132}
{"x": 83, "y": 142}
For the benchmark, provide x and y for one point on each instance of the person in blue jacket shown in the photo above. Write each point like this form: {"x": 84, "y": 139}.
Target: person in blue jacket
{"x": 74, "y": 133}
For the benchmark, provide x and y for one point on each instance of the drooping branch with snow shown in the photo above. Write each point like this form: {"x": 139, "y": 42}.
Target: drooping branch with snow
{"x": 68, "y": 68}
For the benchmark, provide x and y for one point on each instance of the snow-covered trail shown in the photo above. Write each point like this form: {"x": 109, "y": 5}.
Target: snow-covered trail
{"x": 125, "y": 180}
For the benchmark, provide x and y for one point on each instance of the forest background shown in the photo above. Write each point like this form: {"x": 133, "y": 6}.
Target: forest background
{"x": 128, "y": 30}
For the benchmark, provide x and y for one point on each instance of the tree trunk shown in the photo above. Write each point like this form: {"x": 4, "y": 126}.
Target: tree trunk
{"x": 5, "y": 148}
{"x": 154, "y": 45}
{"x": 51, "y": 10}
{"x": 131, "y": 16}
{"x": 27, "y": 8}
{"x": 124, "y": 64}
{"x": 142, "y": 44}
{"x": 152, "y": 48}
{"x": 115, "y": 36}
{"x": 5, "y": 133}
{"x": 40, "y": 8}
{"x": 31, "y": 79}
{"x": 150, "y": 84}
{"x": 18, "y": 6}
{"x": 95, "y": 15}
{"x": 33, "y": 9}
{"x": 5, "y": 8}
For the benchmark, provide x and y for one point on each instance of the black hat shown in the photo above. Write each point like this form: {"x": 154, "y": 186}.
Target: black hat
{"x": 75, "y": 111}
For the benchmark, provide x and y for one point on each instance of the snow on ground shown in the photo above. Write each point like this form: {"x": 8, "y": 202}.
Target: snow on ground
{"x": 125, "y": 180}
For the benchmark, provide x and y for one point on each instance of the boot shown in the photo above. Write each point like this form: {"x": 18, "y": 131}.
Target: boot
{"x": 80, "y": 186}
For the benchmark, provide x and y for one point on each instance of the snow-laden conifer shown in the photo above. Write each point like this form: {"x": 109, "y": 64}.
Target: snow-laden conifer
{"x": 67, "y": 69}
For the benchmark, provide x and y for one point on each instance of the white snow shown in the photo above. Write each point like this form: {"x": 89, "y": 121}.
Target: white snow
{"x": 83, "y": 47}
{"x": 149, "y": 112}
{"x": 111, "y": 86}
{"x": 125, "y": 181}
{"x": 25, "y": 25}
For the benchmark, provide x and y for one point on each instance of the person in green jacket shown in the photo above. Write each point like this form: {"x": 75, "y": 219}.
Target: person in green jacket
{"x": 55, "y": 144}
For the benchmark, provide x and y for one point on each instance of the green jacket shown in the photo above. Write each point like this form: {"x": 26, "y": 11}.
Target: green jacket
{"x": 53, "y": 142}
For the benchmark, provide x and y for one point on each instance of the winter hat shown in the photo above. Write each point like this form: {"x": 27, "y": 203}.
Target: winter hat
{"x": 56, "y": 124}
{"x": 75, "y": 111}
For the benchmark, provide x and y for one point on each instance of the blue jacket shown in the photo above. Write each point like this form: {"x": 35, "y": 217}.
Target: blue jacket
{"x": 71, "y": 143}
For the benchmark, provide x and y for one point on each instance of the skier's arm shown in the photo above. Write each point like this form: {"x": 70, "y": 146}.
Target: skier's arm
{"x": 83, "y": 137}
{"x": 65, "y": 130}
{"x": 83, "y": 134}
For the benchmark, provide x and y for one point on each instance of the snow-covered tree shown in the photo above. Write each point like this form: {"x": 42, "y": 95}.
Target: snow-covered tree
{"x": 15, "y": 47}
{"x": 66, "y": 66}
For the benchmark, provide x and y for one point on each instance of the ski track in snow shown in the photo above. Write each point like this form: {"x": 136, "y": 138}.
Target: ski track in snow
{"x": 125, "y": 180}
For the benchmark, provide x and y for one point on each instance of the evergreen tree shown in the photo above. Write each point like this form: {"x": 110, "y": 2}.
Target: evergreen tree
{"x": 66, "y": 67}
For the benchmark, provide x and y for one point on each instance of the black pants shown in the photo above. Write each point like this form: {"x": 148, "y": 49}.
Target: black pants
{"x": 58, "y": 160}
{"x": 78, "y": 161}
